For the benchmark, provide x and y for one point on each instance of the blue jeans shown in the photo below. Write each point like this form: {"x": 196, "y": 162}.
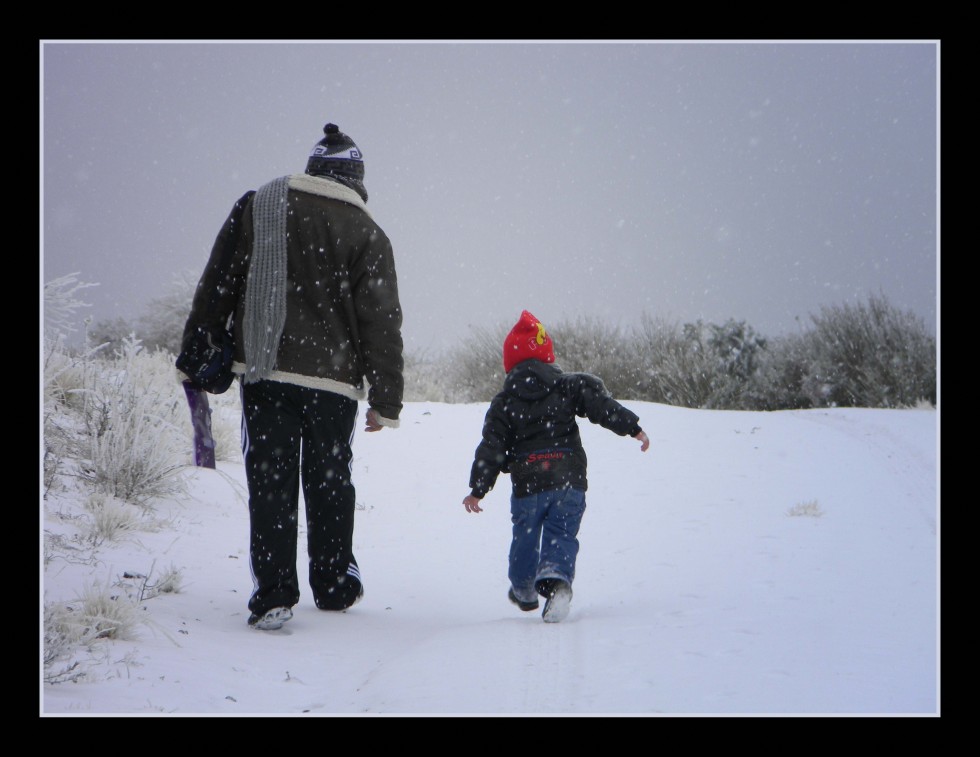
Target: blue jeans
{"x": 544, "y": 544}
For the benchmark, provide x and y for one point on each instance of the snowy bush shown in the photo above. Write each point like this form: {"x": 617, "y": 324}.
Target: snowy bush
{"x": 63, "y": 370}
{"x": 475, "y": 368}
{"x": 737, "y": 351}
{"x": 777, "y": 384}
{"x": 66, "y": 547}
{"x": 869, "y": 355}
{"x": 100, "y": 612}
{"x": 699, "y": 365}
{"x": 75, "y": 633}
{"x": 226, "y": 425}
{"x": 155, "y": 370}
{"x": 109, "y": 610}
{"x": 587, "y": 345}
{"x": 426, "y": 378}
{"x": 57, "y": 439}
{"x": 130, "y": 445}
{"x": 63, "y": 373}
{"x": 675, "y": 368}
{"x": 161, "y": 326}
{"x": 810, "y": 509}
{"x": 111, "y": 333}
{"x": 61, "y": 306}
{"x": 62, "y": 637}
{"x": 66, "y": 373}
{"x": 171, "y": 581}
{"x": 108, "y": 518}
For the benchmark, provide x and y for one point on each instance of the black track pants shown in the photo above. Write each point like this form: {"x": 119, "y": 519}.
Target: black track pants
{"x": 293, "y": 435}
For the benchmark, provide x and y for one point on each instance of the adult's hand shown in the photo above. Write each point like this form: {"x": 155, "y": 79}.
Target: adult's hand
{"x": 371, "y": 421}
{"x": 472, "y": 504}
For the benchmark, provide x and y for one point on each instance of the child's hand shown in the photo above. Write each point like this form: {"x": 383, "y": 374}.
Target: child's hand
{"x": 644, "y": 441}
{"x": 472, "y": 504}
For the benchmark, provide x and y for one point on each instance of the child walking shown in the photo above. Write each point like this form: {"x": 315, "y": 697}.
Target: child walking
{"x": 531, "y": 433}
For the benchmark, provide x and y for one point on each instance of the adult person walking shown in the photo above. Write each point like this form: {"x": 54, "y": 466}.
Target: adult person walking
{"x": 307, "y": 279}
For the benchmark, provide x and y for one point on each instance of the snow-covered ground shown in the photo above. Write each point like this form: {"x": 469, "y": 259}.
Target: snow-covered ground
{"x": 774, "y": 563}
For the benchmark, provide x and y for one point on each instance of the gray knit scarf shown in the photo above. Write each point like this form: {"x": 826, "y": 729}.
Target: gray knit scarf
{"x": 265, "y": 289}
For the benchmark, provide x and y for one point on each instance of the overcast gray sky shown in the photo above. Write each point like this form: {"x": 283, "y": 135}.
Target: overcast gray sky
{"x": 752, "y": 180}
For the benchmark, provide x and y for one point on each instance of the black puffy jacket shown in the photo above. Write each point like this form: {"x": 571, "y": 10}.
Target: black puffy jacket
{"x": 530, "y": 430}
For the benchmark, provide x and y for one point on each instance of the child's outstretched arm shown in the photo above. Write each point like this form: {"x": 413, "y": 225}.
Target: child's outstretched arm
{"x": 490, "y": 457}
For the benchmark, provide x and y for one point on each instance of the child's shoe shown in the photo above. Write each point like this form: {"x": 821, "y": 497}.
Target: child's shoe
{"x": 271, "y": 620}
{"x": 558, "y": 599}
{"x": 525, "y": 606}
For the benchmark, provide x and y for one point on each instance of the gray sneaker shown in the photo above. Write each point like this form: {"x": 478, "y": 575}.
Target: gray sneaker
{"x": 558, "y": 602}
{"x": 271, "y": 620}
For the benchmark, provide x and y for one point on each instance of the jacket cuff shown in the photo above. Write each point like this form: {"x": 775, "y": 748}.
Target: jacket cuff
{"x": 389, "y": 422}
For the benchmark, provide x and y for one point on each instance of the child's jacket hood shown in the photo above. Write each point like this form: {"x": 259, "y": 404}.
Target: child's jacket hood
{"x": 532, "y": 380}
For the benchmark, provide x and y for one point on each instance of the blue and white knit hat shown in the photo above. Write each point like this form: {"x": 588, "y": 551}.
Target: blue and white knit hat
{"x": 337, "y": 157}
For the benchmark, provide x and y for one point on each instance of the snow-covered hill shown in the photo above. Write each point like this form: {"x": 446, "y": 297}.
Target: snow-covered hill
{"x": 779, "y": 563}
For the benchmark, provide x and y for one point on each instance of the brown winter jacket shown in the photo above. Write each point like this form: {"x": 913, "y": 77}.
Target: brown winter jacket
{"x": 343, "y": 315}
